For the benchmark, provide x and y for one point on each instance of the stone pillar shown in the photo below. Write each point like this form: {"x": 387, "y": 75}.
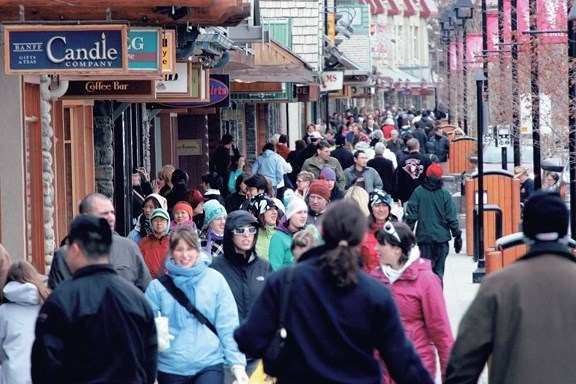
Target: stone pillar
{"x": 103, "y": 147}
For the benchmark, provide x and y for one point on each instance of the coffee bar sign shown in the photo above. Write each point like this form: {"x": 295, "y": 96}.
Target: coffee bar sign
{"x": 87, "y": 49}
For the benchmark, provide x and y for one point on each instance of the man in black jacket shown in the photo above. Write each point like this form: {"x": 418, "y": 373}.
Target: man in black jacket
{"x": 95, "y": 327}
{"x": 383, "y": 166}
{"x": 221, "y": 161}
{"x": 344, "y": 156}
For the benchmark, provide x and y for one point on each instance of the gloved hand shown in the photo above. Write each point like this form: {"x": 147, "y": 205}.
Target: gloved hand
{"x": 458, "y": 243}
{"x": 239, "y": 373}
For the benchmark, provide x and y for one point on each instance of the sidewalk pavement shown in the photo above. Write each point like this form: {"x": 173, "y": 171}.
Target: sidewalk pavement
{"x": 459, "y": 291}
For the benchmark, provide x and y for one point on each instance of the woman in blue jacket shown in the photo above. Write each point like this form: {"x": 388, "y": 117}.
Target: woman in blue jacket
{"x": 196, "y": 354}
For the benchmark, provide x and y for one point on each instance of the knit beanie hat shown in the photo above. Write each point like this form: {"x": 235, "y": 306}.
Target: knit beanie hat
{"x": 159, "y": 212}
{"x": 545, "y": 217}
{"x": 321, "y": 188}
{"x": 295, "y": 204}
{"x": 434, "y": 170}
{"x": 378, "y": 197}
{"x": 184, "y": 206}
{"x": 260, "y": 204}
{"x": 213, "y": 209}
{"x": 328, "y": 173}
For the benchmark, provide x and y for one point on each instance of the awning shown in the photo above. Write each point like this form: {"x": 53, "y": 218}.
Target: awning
{"x": 267, "y": 62}
{"x": 353, "y": 73}
{"x": 396, "y": 76}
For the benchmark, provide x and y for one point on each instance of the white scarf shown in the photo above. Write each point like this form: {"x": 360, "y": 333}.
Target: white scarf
{"x": 394, "y": 274}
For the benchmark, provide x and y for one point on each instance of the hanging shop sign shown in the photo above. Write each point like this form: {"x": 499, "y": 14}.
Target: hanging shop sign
{"x": 144, "y": 49}
{"x": 219, "y": 96}
{"x": 168, "y": 51}
{"x": 190, "y": 81}
{"x": 109, "y": 89}
{"x": 306, "y": 93}
{"x": 88, "y": 49}
{"x": 332, "y": 81}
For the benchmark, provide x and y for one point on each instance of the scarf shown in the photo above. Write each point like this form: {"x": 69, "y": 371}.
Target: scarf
{"x": 144, "y": 226}
{"x": 394, "y": 274}
{"x": 212, "y": 236}
{"x": 186, "y": 279}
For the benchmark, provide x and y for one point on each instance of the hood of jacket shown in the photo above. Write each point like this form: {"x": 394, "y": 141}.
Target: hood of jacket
{"x": 234, "y": 220}
{"x": 21, "y": 293}
{"x": 432, "y": 184}
{"x": 268, "y": 153}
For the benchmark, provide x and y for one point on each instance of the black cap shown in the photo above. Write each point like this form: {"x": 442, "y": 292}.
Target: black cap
{"x": 545, "y": 217}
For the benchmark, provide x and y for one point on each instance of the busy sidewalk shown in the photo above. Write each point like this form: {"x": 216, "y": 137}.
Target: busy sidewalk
{"x": 459, "y": 291}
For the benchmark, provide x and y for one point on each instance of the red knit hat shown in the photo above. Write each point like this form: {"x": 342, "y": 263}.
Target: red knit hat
{"x": 184, "y": 206}
{"x": 320, "y": 188}
{"x": 434, "y": 170}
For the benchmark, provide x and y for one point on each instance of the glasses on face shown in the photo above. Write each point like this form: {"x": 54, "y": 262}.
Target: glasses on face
{"x": 244, "y": 230}
{"x": 389, "y": 228}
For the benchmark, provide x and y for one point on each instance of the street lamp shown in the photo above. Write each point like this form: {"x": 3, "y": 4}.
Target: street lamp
{"x": 447, "y": 26}
{"x": 572, "y": 115}
{"x": 464, "y": 11}
{"x": 480, "y": 79}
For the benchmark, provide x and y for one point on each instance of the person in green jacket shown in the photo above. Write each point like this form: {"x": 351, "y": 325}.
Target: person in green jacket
{"x": 265, "y": 210}
{"x": 293, "y": 221}
{"x": 432, "y": 207}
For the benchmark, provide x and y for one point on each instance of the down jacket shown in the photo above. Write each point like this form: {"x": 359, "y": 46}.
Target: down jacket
{"x": 418, "y": 294}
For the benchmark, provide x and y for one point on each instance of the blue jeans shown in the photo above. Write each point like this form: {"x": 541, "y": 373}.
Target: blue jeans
{"x": 213, "y": 374}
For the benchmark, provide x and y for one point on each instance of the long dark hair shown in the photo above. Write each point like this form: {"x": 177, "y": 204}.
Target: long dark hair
{"x": 343, "y": 229}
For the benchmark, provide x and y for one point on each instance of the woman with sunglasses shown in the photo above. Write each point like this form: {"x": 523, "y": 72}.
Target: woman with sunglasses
{"x": 336, "y": 314}
{"x": 379, "y": 205}
{"x": 418, "y": 294}
{"x": 211, "y": 295}
{"x": 241, "y": 266}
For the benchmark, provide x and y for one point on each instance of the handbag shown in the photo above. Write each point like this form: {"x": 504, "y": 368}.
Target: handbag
{"x": 276, "y": 352}
{"x": 183, "y": 300}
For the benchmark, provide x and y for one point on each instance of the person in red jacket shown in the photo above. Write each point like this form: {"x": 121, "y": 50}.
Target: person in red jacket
{"x": 155, "y": 246}
{"x": 379, "y": 205}
{"x": 417, "y": 291}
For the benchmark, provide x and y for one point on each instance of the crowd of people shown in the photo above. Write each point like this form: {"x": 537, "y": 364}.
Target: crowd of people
{"x": 192, "y": 294}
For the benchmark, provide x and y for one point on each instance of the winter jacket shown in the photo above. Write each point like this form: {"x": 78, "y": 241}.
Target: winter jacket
{"x": 195, "y": 346}
{"x": 269, "y": 164}
{"x": 385, "y": 169}
{"x": 523, "y": 320}
{"x": 433, "y": 208}
{"x": 344, "y": 157}
{"x": 17, "y": 320}
{"x": 220, "y": 161}
{"x": 410, "y": 173}
{"x": 372, "y": 180}
{"x": 175, "y": 195}
{"x": 125, "y": 256}
{"x": 154, "y": 250}
{"x": 314, "y": 165}
{"x": 332, "y": 332}
{"x": 232, "y": 179}
{"x": 420, "y": 300}
{"x": 369, "y": 257}
{"x": 279, "y": 253}
{"x": 236, "y": 201}
{"x": 245, "y": 275}
{"x": 263, "y": 243}
{"x": 90, "y": 321}
{"x": 441, "y": 147}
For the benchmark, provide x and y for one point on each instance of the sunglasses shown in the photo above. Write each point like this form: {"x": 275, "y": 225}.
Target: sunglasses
{"x": 245, "y": 230}
{"x": 389, "y": 228}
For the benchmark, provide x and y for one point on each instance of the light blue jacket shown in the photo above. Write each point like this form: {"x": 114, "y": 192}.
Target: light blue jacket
{"x": 269, "y": 164}
{"x": 194, "y": 346}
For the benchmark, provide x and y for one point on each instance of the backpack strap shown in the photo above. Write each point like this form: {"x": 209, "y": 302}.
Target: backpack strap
{"x": 183, "y": 300}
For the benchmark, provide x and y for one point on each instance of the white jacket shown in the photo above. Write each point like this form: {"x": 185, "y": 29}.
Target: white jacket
{"x": 17, "y": 323}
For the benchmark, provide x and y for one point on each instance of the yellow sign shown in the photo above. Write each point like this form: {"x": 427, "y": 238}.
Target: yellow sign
{"x": 191, "y": 147}
{"x": 168, "y": 51}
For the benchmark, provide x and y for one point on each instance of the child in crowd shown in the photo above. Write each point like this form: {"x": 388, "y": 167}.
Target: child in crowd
{"x": 155, "y": 245}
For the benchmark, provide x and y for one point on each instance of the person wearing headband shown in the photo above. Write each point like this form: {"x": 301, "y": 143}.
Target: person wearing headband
{"x": 418, "y": 294}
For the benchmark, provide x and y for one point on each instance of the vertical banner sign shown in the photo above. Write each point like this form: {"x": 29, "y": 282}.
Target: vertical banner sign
{"x": 168, "y": 54}
{"x": 89, "y": 49}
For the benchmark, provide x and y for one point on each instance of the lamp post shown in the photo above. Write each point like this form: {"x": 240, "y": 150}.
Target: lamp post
{"x": 572, "y": 115}
{"x": 464, "y": 11}
{"x": 515, "y": 98}
{"x": 480, "y": 79}
{"x": 534, "y": 69}
{"x": 447, "y": 27}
